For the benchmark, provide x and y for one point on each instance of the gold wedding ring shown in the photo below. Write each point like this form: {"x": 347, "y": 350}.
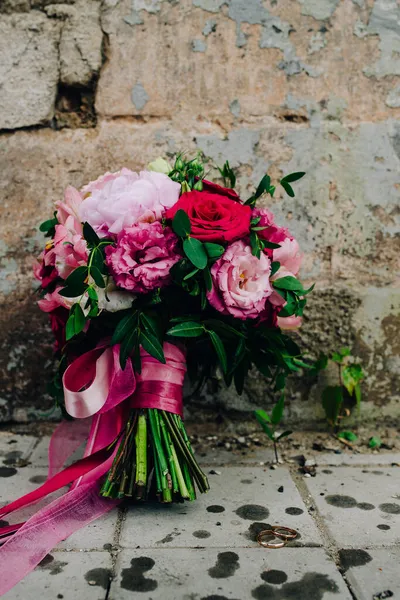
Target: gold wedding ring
{"x": 286, "y": 534}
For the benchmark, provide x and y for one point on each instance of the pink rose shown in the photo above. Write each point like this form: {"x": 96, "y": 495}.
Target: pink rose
{"x": 241, "y": 282}
{"x": 69, "y": 207}
{"x": 272, "y": 232}
{"x": 289, "y": 323}
{"x": 120, "y": 200}
{"x": 70, "y": 249}
{"x": 289, "y": 255}
{"x": 143, "y": 257}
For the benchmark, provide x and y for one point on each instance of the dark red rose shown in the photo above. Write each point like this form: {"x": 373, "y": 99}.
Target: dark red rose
{"x": 214, "y": 216}
{"x": 209, "y": 186}
{"x": 58, "y": 321}
{"x": 269, "y": 315}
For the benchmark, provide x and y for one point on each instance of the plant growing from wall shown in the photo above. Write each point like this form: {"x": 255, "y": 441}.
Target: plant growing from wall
{"x": 269, "y": 423}
{"x": 349, "y": 374}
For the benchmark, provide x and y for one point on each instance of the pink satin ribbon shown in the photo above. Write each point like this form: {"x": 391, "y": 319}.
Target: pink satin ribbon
{"x": 100, "y": 395}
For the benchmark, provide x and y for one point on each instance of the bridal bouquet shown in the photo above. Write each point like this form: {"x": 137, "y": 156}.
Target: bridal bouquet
{"x": 144, "y": 277}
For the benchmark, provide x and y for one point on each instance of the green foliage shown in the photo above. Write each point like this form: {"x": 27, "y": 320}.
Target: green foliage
{"x": 189, "y": 173}
{"x": 288, "y": 179}
{"x": 48, "y": 227}
{"x": 76, "y": 322}
{"x": 350, "y": 374}
{"x": 228, "y": 175}
{"x": 269, "y": 423}
{"x": 195, "y": 251}
{"x": 181, "y": 224}
{"x": 374, "y": 442}
{"x": 349, "y": 436}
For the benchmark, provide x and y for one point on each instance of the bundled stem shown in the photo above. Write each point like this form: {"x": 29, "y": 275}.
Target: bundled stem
{"x": 155, "y": 459}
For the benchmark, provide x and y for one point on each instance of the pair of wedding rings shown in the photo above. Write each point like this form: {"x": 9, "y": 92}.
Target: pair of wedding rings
{"x": 285, "y": 535}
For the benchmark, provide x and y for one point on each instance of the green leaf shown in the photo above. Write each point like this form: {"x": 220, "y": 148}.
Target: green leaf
{"x": 288, "y": 310}
{"x": 255, "y": 244}
{"x": 187, "y": 329}
{"x": 191, "y": 274}
{"x": 151, "y": 344}
{"x": 219, "y": 349}
{"x": 262, "y": 363}
{"x": 181, "y": 224}
{"x": 228, "y": 174}
{"x": 264, "y": 424}
{"x": 263, "y": 186}
{"x": 239, "y": 376}
{"x": 90, "y": 235}
{"x": 348, "y": 435}
{"x": 46, "y": 226}
{"x": 275, "y": 266}
{"x": 320, "y": 364}
{"x": 195, "y": 251}
{"x": 76, "y": 322}
{"x": 70, "y": 327}
{"x": 150, "y": 325}
{"x": 97, "y": 260}
{"x": 284, "y": 434}
{"x": 351, "y": 376}
{"x": 332, "y": 400}
{"x": 288, "y": 283}
{"x": 223, "y": 328}
{"x": 213, "y": 250}
{"x": 128, "y": 344}
{"x": 262, "y": 415}
{"x": 68, "y": 292}
{"x": 288, "y": 188}
{"x": 208, "y": 279}
{"x": 97, "y": 276}
{"x": 277, "y": 411}
{"x": 77, "y": 278}
{"x": 92, "y": 294}
{"x": 357, "y": 393}
{"x": 293, "y": 176}
{"x": 270, "y": 245}
{"x": 280, "y": 382}
{"x": 127, "y": 324}
{"x": 374, "y": 442}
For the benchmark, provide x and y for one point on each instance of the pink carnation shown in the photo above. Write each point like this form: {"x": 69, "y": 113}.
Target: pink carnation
{"x": 120, "y": 200}
{"x": 54, "y": 300}
{"x": 241, "y": 282}
{"x": 143, "y": 257}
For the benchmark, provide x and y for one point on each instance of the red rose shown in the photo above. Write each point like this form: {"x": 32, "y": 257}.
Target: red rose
{"x": 209, "y": 186}
{"x": 214, "y": 215}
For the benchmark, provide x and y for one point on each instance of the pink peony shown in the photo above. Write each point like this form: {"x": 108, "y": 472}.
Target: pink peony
{"x": 143, "y": 257}
{"x": 69, "y": 207}
{"x": 69, "y": 250}
{"x": 120, "y": 200}
{"x": 289, "y": 255}
{"x": 241, "y": 282}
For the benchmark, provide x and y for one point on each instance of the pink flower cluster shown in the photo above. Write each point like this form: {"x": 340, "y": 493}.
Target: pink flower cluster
{"x": 128, "y": 208}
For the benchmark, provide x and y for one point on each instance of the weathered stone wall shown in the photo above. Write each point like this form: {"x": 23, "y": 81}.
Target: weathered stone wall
{"x": 314, "y": 85}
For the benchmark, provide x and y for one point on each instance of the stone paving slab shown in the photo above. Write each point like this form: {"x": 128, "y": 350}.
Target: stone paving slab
{"x": 372, "y": 573}
{"x": 241, "y": 502}
{"x": 220, "y": 456}
{"x": 24, "y": 480}
{"x": 66, "y": 576}
{"x": 40, "y": 458}
{"x": 15, "y": 449}
{"x": 381, "y": 458}
{"x": 218, "y": 574}
{"x": 361, "y": 507}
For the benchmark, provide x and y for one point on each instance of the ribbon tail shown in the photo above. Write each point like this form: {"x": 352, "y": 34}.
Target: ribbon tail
{"x": 66, "y": 439}
{"x": 49, "y": 526}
